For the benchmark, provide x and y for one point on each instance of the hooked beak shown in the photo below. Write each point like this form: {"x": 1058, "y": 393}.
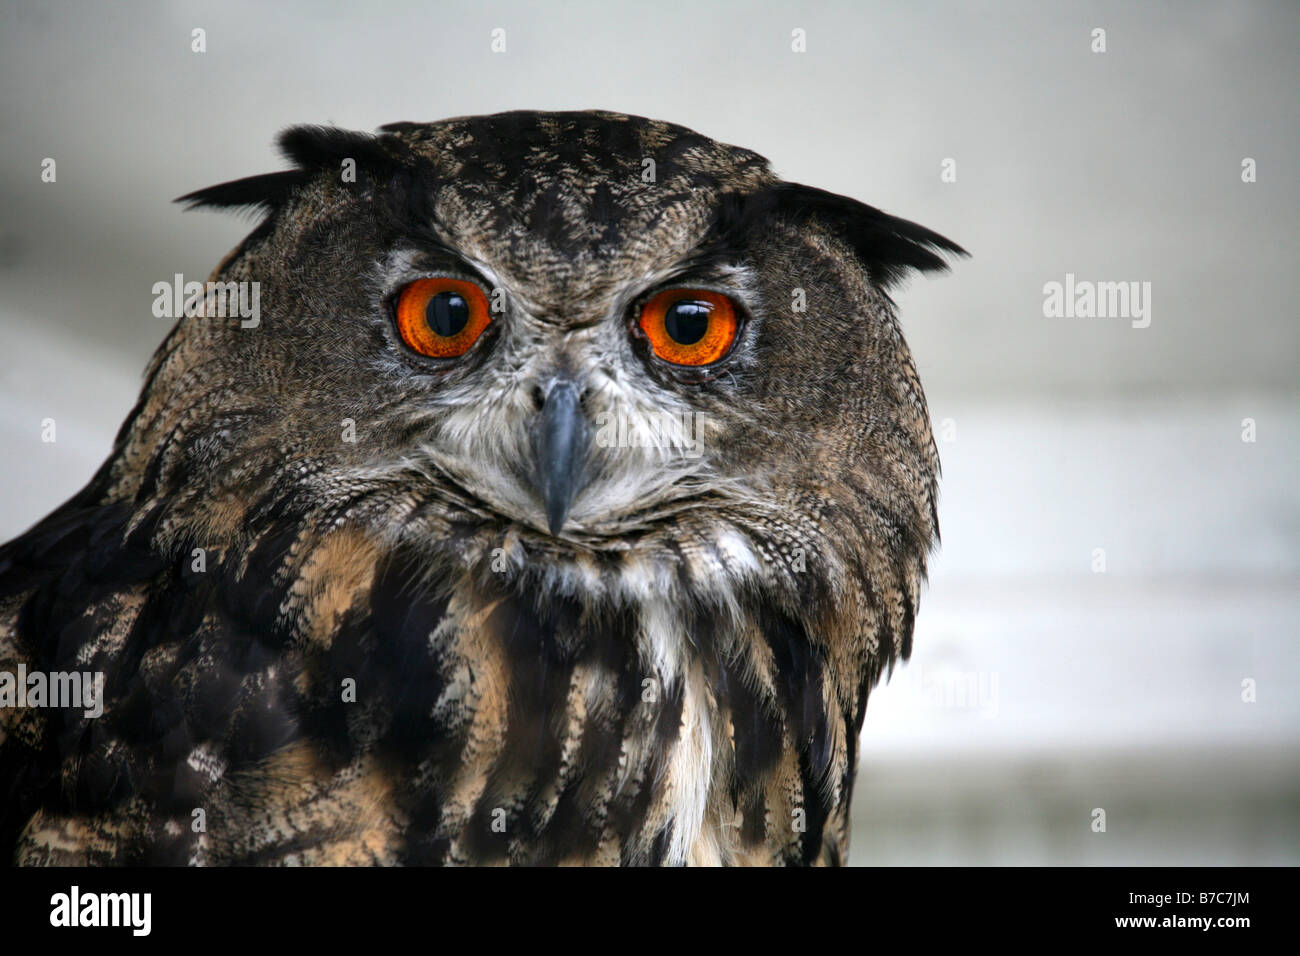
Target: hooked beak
{"x": 561, "y": 442}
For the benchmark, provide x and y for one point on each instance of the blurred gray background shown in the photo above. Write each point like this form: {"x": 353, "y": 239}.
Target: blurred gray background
{"x": 1041, "y": 689}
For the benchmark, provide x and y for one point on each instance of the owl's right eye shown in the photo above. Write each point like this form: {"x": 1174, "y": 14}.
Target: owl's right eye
{"x": 442, "y": 318}
{"x": 690, "y": 326}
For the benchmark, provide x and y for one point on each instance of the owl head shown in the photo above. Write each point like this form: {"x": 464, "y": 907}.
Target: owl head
{"x": 602, "y": 354}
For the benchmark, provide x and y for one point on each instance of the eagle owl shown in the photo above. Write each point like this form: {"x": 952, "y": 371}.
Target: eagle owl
{"x": 564, "y": 500}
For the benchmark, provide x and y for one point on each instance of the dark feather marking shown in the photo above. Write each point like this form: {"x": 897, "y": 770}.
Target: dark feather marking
{"x": 573, "y": 829}
{"x": 909, "y": 621}
{"x": 322, "y": 713}
{"x": 533, "y": 641}
{"x": 759, "y": 742}
{"x": 659, "y": 846}
{"x": 401, "y": 667}
{"x": 801, "y": 674}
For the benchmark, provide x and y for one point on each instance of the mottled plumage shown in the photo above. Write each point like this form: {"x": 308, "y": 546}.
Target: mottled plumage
{"x": 678, "y": 674}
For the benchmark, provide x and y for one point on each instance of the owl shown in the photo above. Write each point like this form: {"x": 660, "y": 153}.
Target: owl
{"x": 559, "y": 500}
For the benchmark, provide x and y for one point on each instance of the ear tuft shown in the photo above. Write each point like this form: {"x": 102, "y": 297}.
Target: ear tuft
{"x": 325, "y": 147}
{"x": 312, "y": 149}
{"x": 888, "y": 246}
{"x": 262, "y": 193}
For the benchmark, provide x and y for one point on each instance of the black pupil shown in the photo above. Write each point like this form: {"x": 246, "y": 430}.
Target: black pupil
{"x": 447, "y": 313}
{"x": 687, "y": 321}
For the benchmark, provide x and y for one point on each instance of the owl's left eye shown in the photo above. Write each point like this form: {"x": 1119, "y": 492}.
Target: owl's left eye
{"x": 442, "y": 318}
{"x": 690, "y": 326}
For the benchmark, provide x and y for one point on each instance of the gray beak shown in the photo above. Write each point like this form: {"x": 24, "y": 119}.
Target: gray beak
{"x": 561, "y": 441}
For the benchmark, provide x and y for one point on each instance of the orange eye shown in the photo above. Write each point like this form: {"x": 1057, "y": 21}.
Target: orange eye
{"x": 690, "y": 326}
{"x": 442, "y": 318}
